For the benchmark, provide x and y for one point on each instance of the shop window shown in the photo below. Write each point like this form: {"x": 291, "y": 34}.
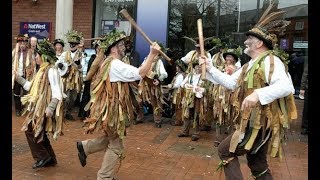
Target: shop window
{"x": 299, "y": 25}
{"x": 107, "y": 16}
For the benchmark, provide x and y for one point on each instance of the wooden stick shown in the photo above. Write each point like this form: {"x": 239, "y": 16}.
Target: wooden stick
{"x": 200, "y": 34}
{"x": 125, "y": 14}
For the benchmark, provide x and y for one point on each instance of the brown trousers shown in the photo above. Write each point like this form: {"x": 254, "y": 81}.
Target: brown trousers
{"x": 39, "y": 150}
{"x": 189, "y": 122}
{"x": 256, "y": 162}
{"x": 113, "y": 147}
{"x": 178, "y": 114}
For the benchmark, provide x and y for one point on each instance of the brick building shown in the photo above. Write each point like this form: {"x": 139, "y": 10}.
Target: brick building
{"x": 45, "y": 11}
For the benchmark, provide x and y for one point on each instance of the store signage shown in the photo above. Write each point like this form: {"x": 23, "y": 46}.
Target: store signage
{"x": 40, "y": 30}
{"x": 300, "y": 44}
{"x": 284, "y": 44}
{"x": 117, "y": 1}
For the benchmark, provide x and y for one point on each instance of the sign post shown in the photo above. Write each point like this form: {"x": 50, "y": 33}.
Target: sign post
{"x": 41, "y": 30}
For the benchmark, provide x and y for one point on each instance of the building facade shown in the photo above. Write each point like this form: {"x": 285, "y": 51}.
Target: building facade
{"x": 166, "y": 21}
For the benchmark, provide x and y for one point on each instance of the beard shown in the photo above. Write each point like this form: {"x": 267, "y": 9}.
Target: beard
{"x": 246, "y": 50}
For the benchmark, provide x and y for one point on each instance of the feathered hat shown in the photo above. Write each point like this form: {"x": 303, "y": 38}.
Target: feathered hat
{"x": 21, "y": 37}
{"x": 74, "y": 36}
{"x": 46, "y": 51}
{"x": 270, "y": 23}
{"x": 60, "y": 41}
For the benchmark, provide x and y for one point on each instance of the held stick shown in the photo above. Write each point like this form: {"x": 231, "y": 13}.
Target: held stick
{"x": 125, "y": 14}
{"x": 200, "y": 34}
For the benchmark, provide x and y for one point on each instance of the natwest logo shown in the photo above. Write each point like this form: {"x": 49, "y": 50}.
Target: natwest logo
{"x": 37, "y": 26}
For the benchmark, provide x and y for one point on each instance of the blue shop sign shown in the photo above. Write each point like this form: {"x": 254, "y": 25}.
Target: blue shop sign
{"x": 40, "y": 30}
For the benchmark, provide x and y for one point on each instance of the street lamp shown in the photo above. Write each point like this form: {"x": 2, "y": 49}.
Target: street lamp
{"x": 238, "y": 17}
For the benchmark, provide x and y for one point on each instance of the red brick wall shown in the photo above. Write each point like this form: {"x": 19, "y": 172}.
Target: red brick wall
{"x": 82, "y": 18}
{"x": 45, "y": 11}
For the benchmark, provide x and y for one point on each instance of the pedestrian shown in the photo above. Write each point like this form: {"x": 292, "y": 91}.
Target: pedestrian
{"x": 177, "y": 92}
{"x": 223, "y": 108}
{"x": 58, "y": 46}
{"x": 260, "y": 87}
{"x": 110, "y": 105}
{"x": 73, "y": 79}
{"x": 24, "y": 64}
{"x": 305, "y": 96}
{"x": 133, "y": 58}
{"x": 191, "y": 58}
{"x": 86, "y": 85}
{"x": 193, "y": 103}
{"x": 150, "y": 88}
{"x": 43, "y": 106}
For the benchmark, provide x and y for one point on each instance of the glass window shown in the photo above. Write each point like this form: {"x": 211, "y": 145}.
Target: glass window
{"x": 232, "y": 19}
{"x": 107, "y": 16}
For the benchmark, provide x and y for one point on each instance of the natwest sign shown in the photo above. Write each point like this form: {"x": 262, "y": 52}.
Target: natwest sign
{"x": 39, "y": 29}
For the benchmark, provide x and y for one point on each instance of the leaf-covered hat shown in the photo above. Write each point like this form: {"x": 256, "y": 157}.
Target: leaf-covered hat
{"x": 74, "y": 36}
{"x": 183, "y": 66}
{"x": 110, "y": 39}
{"x": 46, "y": 51}
{"x": 21, "y": 37}
{"x": 234, "y": 51}
{"x": 60, "y": 41}
{"x": 269, "y": 23}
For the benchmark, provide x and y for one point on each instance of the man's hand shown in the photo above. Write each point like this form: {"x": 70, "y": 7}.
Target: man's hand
{"x": 156, "y": 82}
{"x": 302, "y": 92}
{"x": 155, "y": 48}
{"x": 204, "y": 59}
{"x": 250, "y": 101}
{"x": 15, "y": 73}
{"x": 49, "y": 112}
{"x": 169, "y": 86}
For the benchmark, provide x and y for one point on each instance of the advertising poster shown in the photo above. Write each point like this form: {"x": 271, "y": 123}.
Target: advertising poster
{"x": 41, "y": 30}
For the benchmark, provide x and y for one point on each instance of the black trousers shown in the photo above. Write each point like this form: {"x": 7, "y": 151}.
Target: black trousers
{"x": 304, "y": 124}
{"x": 17, "y": 93}
{"x": 256, "y": 162}
{"x": 39, "y": 150}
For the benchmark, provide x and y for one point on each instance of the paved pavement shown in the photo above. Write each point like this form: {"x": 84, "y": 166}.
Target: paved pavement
{"x": 152, "y": 153}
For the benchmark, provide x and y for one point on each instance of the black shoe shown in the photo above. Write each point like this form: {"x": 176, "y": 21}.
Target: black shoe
{"x": 42, "y": 163}
{"x": 175, "y": 123}
{"x": 69, "y": 117}
{"x": 183, "y": 135}
{"x": 194, "y": 138}
{"x": 81, "y": 154}
{"x": 135, "y": 122}
{"x": 205, "y": 128}
{"x": 216, "y": 143}
{"x": 18, "y": 113}
{"x": 52, "y": 162}
{"x": 158, "y": 125}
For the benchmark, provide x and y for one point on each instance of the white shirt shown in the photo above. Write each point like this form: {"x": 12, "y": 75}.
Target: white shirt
{"x": 20, "y": 65}
{"x": 62, "y": 58}
{"x": 55, "y": 84}
{"x": 195, "y": 80}
{"x": 120, "y": 71}
{"x": 160, "y": 70}
{"x": 280, "y": 85}
{"x": 187, "y": 58}
{"x": 177, "y": 81}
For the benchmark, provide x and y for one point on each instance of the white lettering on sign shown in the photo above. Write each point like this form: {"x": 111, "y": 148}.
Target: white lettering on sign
{"x": 117, "y": 1}
{"x": 300, "y": 44}
{"x": 36, "y": 26}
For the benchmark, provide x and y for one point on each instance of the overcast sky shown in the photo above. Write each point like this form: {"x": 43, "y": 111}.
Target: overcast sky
{"x": 252, "y": 4}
